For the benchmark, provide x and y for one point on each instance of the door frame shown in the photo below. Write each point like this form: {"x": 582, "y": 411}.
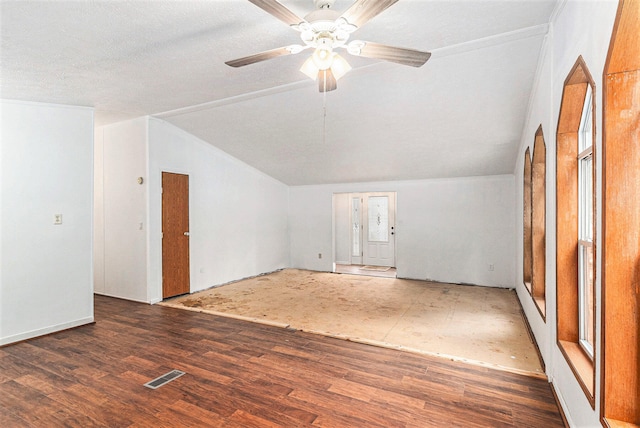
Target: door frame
{"x": 335, "y": 216}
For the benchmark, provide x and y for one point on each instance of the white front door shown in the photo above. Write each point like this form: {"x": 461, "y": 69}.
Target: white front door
{"x": 379, "y": 229}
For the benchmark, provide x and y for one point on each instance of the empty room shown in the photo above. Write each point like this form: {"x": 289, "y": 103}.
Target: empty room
{"x": 258, "y": 213}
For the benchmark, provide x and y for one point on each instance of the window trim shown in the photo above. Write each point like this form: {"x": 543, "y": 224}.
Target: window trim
{"x": 567, "y": 227}
{"x": 538, "y": 222}
{"x": 620, "y": 373}
{"x": 527, "y": 234}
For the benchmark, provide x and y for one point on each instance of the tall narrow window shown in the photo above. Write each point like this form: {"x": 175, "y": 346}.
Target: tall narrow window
{"x": 527, "y": 265}
{"x": 575, "y": 233}
{"x": 355, "y": 227}
{"x": 538, "y": 222}
{"x": 585, "y": 226}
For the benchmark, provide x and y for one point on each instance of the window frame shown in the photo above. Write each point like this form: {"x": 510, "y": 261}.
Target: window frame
{"x": 586, "y": 217}
{"x": 538, "y": 222}
{"x": 567, "y": 225}
{"x": 527, "y": 234}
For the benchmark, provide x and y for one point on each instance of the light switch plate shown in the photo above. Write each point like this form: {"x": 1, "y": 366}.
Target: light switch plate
{"x": 57, "y": 219}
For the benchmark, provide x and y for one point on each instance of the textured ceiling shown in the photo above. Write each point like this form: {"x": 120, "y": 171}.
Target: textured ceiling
{"x": 461, "y": 114}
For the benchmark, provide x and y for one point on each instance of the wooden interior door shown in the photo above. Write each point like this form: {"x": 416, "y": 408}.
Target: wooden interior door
{"x": 175, "y": 234}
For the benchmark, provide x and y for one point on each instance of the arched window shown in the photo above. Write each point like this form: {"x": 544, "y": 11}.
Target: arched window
{"x": 575, "y": 232}
{"x": 538, "y": 221}
{"x": 527, "y": 266}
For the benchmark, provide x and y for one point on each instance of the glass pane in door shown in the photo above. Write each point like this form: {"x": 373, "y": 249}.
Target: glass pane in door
{"x": 378, "y": 207}
{"x": 355, "y": 227}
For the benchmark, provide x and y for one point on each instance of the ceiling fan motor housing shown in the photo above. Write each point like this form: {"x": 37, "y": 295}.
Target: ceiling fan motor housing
{"x": 322, "y": 17}
{"x": 323, "y": 27}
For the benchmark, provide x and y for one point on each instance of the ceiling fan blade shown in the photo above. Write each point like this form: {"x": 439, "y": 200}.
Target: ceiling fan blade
{"x": 278, "y": 10}
{"x": 262, "y": 56}
{"x": 364, "y": 10}
{"x": 404, "y": 56}
{"x": 326, "y": 81}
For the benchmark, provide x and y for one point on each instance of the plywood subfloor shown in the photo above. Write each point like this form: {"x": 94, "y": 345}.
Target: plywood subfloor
{"x": 362, "y": 270}
{"x": 481, "y": 325}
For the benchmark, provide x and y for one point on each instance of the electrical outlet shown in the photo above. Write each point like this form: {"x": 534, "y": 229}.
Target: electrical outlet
{"x": 491, "y": 267}
{"x": 57, "y": 219}
{"x": 319, "y": 255}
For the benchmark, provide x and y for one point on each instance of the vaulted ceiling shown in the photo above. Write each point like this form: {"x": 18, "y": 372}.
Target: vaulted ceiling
{"x": 461, "y": 114}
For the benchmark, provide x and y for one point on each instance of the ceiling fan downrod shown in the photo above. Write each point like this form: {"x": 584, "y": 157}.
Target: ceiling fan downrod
{"x": 323, "y": 4}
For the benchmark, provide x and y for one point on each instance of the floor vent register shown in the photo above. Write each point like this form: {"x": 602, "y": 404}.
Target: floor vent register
{"x": 164, "y": 379}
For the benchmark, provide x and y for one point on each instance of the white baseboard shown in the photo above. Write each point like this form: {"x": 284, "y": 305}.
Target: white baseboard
{"x": 563, "y": 404}
{"x": 43, "y": 331}
{"x": 124, "y": 298}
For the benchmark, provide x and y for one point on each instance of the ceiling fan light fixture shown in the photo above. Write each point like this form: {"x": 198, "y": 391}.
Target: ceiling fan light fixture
{"x": 323, "y": 56}
{"x": 340, "y": 66}
{"x": 310, "y": 69}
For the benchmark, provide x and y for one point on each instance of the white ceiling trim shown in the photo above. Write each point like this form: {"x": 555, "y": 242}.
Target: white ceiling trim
{"x": 495, "y": 40}
{"x": 289, "y": 87}
{"x": 457, "y": 49}
{"x": 235, "y": 99}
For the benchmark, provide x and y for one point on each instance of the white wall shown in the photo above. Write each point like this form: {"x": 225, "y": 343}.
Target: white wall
{"x": 578, "y": 28}
{"x": 447, "y": 230}
{"x": 46, "y": 270}
{"x": 238, "y": 215}
{"x": 342, "y": 228}
{"x": 540, "y": 114}
{"x": 121, "y": 210}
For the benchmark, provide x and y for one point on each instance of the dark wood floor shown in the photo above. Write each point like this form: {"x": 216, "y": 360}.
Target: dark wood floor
{"x": 240, "y": 374}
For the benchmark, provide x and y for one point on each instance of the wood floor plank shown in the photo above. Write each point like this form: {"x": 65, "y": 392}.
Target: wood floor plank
{"x": 92, "y": 403}
{"x": 368, "y": 393}
{"x": 339, "y": 409}
{"x": 38, "y": 410}
{"x": 41, "y": 385}
{"x": 241, "y": 374}
{"x": 8, "y": 419}
{"x": 188, "y": 415}
{"x": 251, "y": 421}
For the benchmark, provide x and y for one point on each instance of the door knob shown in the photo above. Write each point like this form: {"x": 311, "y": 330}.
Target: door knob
{"x": 186, "y": 234}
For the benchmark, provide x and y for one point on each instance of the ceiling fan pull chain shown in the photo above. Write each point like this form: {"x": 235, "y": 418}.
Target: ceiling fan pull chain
{"x": 324, "y": 110}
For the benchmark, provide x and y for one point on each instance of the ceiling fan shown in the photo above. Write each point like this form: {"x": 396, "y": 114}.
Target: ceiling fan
{"x": 324, "y": 31}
